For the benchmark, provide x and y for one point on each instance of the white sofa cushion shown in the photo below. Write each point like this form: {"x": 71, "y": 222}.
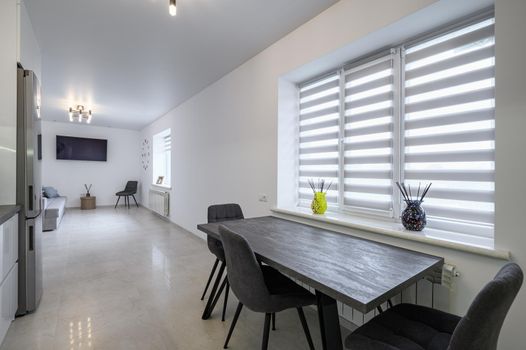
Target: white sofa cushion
{"x": 55, "y": 207}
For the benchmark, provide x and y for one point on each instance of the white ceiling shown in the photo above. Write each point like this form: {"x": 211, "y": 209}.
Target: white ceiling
{"x": 131, "y": 62}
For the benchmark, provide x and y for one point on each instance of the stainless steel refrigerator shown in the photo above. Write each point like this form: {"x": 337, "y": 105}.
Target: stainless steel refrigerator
{"x": 29, "y": 192}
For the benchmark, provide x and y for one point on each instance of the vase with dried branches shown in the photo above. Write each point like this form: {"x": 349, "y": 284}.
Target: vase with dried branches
{"x": 414, "y": 216}
{"x": 319, "y": 202}
{"x": 88, "y": 189}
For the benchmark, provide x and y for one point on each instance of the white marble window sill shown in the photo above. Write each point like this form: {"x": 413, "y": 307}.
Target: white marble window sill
{"x": 166, "y": 187}
{"x": 393, "y": 229}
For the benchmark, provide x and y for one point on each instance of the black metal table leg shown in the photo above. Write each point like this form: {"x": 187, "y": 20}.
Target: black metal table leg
{"x": 331, "y": 337}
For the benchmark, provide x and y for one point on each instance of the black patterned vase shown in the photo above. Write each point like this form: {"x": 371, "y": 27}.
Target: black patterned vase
{"x": 414, "y": 217}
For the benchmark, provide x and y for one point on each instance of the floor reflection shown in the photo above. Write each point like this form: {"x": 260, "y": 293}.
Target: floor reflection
{"x": 80, "y": 336}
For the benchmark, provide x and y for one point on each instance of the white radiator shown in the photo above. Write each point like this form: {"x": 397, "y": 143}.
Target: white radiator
{"x": 159, "y": 202}
{"x": 428, "y": 292}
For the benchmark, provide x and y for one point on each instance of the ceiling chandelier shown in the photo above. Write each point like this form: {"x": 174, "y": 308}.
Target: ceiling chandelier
{"x": 79, "y": 113}
{"x": 172, "y": 8}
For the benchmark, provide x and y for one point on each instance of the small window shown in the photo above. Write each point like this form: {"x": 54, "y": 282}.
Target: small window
{"x": 162, "y": 158}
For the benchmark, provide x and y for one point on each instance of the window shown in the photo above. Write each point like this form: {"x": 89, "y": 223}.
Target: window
{"x": 162, "y": 158}
{"x": 421, "y": 112}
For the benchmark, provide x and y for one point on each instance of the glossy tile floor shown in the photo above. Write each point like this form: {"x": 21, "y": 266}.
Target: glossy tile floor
{"x": 125, "y": 279}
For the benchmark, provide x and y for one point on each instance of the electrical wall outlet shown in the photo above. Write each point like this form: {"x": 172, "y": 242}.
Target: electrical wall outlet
{"x": 263, "y": 198}
{"x": 449, "y": 272}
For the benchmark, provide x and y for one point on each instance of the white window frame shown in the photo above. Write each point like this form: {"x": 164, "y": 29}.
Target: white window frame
{"x": 161, "y": 153}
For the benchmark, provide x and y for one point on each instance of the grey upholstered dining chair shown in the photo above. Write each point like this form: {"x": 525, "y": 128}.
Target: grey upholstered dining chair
{"x": 219, "y": 213}
{"x": 259, "y": 287}
{"x": 416, "y": 327}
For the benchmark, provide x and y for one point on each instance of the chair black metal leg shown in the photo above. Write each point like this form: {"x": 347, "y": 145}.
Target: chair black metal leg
{"x": 305, "y": 327}
{"x": 135, "y": 200}
{"x": 128, "y": 202}
{"x": 233, "y": 325}
{"x": 210, "y": 278}
{"x": 266, "y": 331}
{"x": 273, "y": 321}
{"x": 226, "y": 299}
{"x": 118, "y": 199}
{"x": 211, "y": 297}
{"x": 216, "y": 297}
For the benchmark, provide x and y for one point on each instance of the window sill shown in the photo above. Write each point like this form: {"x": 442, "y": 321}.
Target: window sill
{"x": 166, "y": 187}
{"x": 392, "y": 229}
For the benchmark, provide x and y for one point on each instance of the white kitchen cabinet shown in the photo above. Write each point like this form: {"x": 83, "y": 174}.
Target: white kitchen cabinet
{"x": 8, "y": 300}
{"x": 8, "y": 246}
{"x": 9, "y": 273}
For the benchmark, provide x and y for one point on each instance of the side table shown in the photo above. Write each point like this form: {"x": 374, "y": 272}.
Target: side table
{"x": 87, "y": 203}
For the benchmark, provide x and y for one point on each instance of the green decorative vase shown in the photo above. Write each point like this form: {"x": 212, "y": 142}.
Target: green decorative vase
{"x": 319, "y": 203}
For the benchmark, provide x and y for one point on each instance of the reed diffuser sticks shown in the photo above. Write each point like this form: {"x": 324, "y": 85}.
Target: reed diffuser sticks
{"x": 319, "y": 186}
{"x": 407, "y": 195}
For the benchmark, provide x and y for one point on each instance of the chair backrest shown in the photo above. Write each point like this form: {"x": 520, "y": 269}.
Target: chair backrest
{"x": 480, "y": 328}
{"x": 224, "y": 212}
{"x": 131, "y": 186}
{"x": 220, "y": 213}
{"x": 244, "y": 272}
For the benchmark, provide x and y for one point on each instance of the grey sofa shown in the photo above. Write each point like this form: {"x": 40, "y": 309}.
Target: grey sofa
{"x": 54, "y": 209}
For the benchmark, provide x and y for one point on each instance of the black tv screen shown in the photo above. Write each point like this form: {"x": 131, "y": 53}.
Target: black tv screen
{"x": 79, "y": 148}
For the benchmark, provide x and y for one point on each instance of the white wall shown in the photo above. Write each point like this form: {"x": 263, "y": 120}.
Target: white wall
{"x": 224, "y": 139}
{"x": 8, "y": 55}
{"x": 28, "y": 51}
{"x": 17, "y": 43}
{"x": 510, "y": 126}
{"x": 69, "y": 176}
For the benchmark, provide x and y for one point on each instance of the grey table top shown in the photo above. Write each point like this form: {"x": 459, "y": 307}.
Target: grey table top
{"x": 7, "y": 212}
{"x": 356, "y": 271}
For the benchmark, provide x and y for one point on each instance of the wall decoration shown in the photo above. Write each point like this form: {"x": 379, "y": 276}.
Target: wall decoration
{"x": 145, "y": 154}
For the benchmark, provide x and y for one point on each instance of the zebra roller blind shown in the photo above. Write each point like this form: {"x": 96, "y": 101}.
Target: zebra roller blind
{"x": 319, "y": 135}
{"x": 449, "y": 127}
{"x": 368, "y": 136}
{"x": 422, "y": 112}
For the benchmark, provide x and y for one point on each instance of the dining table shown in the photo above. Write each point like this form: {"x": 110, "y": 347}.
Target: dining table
{"x": 361, "y": 273}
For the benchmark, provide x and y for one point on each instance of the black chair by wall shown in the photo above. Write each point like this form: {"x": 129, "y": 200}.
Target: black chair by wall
{"x": 219, "y": 213}
{"x": 259, "y": 287}
{"x": 407, "y": 326}
{"x": 129, "y": 191}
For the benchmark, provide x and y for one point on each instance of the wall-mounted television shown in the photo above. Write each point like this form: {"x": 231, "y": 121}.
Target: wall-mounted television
{"x": 80, "y": 148}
